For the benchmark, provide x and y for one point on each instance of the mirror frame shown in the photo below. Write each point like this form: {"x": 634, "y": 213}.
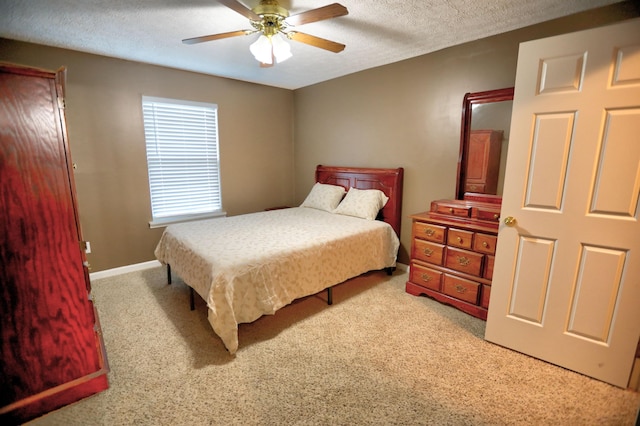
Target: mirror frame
{"x": 471, "y": 99}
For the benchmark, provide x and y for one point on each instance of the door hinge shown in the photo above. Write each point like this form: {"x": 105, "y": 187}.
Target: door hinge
{"x": 61, "y": 104}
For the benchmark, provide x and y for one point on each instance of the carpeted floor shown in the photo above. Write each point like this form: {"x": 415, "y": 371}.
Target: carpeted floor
{"x": 378, "y": 356}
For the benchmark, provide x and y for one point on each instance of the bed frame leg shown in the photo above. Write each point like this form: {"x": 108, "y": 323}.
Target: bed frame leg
{"x": 330, "y": 296}
{"x": 192, "y": 303}
{"x": 390, "y": 270}
{"x": 169, "y": 274}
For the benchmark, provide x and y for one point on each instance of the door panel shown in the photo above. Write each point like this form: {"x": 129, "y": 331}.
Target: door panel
{"x": 566, "y": 283}
{"x": 562, "y": 74}
{"x": 531, "y": 281}
{"x": 595, "y": 296}
{"x": 617, "y": 182}
{"x": 548, "y": 160}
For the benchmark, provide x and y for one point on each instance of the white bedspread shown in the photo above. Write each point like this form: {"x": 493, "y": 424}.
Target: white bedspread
{"x": 250, "y": 265}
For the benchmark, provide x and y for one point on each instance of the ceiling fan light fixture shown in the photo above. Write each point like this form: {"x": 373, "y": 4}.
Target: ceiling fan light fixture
{"x": 281, "y": 49}
{"x": 267, "y": 47}
{"x": 261, "y": 49}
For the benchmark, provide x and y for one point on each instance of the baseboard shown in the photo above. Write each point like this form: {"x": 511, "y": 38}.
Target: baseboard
{"x": 124, "y": 269}
{"x": 401, "y": 266}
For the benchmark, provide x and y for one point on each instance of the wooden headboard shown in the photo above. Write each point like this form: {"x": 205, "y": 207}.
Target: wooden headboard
{"x": 388, "y": 181}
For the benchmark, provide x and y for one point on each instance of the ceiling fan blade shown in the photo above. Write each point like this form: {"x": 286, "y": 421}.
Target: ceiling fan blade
{"x": 211, "y": 37}
{"x": 241, "y": 9}
{"x": 326, "y": 12}
{"x": 332, "y": 46}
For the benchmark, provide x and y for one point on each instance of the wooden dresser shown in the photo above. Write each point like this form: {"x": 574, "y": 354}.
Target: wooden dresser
{"x": 452, "y": 253}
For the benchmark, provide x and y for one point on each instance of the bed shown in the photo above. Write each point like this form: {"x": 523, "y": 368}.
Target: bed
{"x": 251, "y": 265}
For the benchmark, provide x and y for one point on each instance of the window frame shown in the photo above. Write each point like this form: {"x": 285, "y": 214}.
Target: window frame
{"x": 206, "y": 144}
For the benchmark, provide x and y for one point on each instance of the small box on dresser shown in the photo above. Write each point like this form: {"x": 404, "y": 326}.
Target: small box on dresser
{"x": 452, "y": 253}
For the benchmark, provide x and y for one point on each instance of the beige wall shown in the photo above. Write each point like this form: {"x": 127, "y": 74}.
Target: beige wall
{"x": 405, "y": 114}
{"x": 408, "y": 114}
{"x": 104, "y": 121}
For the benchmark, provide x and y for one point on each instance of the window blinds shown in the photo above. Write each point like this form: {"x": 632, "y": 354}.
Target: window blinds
{"x": 182, "y": 157}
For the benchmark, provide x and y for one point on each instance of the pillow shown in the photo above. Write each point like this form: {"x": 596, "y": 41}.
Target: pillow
{"x": 324, "y": 197}
{"x": 364, "y": 203}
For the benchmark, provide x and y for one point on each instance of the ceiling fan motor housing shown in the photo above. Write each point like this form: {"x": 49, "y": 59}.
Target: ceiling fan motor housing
{"x": 272, "y": 15}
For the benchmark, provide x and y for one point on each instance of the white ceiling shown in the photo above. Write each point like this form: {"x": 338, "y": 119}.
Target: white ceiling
{"x": 376, "y": 32}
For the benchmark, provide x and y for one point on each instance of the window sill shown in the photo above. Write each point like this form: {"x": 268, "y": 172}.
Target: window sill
{"x": 159, "y": 223}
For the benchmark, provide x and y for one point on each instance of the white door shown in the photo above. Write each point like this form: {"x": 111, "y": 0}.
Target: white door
{"x": 566, "y": 283}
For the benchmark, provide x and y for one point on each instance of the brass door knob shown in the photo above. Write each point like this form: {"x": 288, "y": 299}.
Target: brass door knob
{"x": 510, "y": 221}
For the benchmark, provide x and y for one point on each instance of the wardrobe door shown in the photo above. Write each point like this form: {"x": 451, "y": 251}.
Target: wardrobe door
{"x": 483, "y": 164}
{"x": 50, "y": 342}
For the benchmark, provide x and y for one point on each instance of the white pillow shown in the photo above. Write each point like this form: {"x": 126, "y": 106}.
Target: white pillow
{"x": 364, "y": 203}
{"x": 324, "y": 197}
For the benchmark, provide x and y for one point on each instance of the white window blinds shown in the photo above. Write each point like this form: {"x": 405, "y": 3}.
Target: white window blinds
{"x": 182, "y": 158}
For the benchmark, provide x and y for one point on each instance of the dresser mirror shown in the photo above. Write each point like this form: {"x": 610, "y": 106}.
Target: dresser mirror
{"x": 486, "y": 120}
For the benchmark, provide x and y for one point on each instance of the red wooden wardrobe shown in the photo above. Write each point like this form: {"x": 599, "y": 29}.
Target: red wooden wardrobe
{"x": 50, "y": 341}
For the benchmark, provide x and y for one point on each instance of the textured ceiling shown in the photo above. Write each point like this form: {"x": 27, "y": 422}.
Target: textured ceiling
{"x": 376, "y": 32}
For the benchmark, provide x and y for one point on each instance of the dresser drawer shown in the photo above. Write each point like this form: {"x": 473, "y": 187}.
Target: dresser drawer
{"x": 488, "y": 268}
{"x": 427, "y": 251}
{"x": 464, "y": 261}
{"x": 485, "y": 243}
{"x": 459, "y": 238}
{"x": 451, "y": 209}
{"x": 428, "y": 231}
{"x": 492, "y": 215}
{"x": 461, "y": 289}
{"x": 425, "y": 277}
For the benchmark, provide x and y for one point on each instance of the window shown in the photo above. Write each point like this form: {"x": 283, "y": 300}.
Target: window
{"x": 183, "y": 159}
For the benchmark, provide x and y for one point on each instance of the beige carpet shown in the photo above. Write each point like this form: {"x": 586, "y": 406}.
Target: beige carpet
{"x": 378, "y": 356}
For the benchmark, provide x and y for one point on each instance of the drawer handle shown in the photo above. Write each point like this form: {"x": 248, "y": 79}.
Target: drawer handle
{"x": 461, "y": 289}
{"x": 496, "y": 216}
{"x": 427, "y": 252}
{"x": 426, "y": 278}
{"x": 429, "y": 232}
{"x": 485, "y": 244}
{"x": 459, "y": 239}
{"x": 450, "y": 209}
{"x": 463, "y": 261}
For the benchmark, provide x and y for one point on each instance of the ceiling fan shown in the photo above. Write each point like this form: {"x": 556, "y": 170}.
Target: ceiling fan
{"x": 274, "y": 23}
